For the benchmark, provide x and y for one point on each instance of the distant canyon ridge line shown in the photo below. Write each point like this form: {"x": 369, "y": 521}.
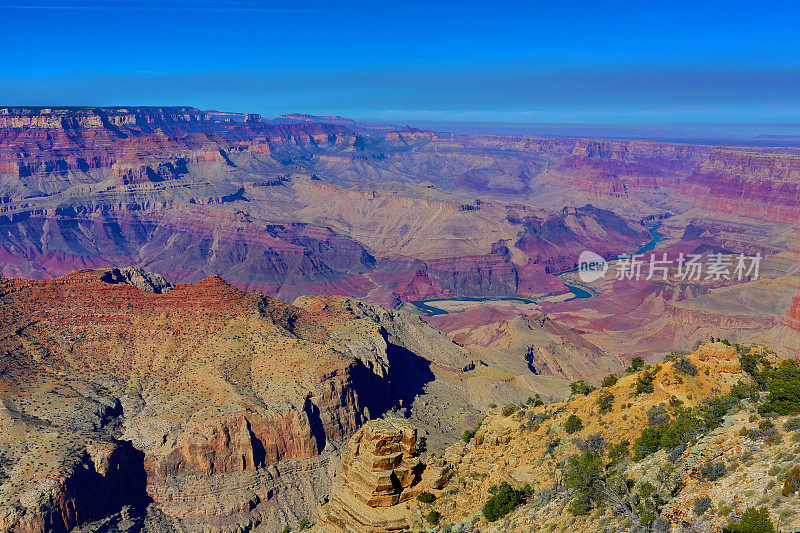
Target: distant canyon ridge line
{"x": 121, "y": 393}
{"x": 324, "y": 205}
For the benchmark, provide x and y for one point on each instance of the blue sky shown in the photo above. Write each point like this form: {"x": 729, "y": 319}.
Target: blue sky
{"x": 672, "y": 64}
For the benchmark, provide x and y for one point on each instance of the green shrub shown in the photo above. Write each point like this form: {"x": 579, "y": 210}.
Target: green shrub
{"x": 648, "y": 442}
{"x": 701, "y": 505}
{"x": 750, "y": 363}
{"x": 433, "y": 518}
{"x": 791, "y": 483}
{"x": 644, "y": 384}
{"x": 793, "y": 424}
{"x": 784, "y": 390}
{"x": 585, "y": 476}
{"x": 426, "y": 497}
{"x": 610, "y": 380}
{"x": 712, "y": 471}
{"x": 637, "y": 363}
{"x": 551, "y": 445}
{"x": 753, "y": 521}
{"x": 594, "y": 443}
{"x": 535, "y": 401}
{"x": 504, "y": 500}
{"x": 573, "y": 424}
{"x": 657, "y": 415}
{"x": 304, "y": 524}
{"x": 686, "y": 424}
{"x": 686, "y": 367}
{"x": 468, "y": 434}
{"x": 605, "y": 402}
{"x": 619, "y": 450}
{"x": 581, "y": 387}
{"x": 509, "y": 409}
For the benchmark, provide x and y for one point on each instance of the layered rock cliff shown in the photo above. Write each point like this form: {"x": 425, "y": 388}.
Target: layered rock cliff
{"x": 303, "y": 205}
{"x": 187, "y": 407}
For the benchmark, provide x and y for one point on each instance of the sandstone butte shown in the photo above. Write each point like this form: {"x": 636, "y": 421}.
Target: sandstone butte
{"x": 380, "y": 470}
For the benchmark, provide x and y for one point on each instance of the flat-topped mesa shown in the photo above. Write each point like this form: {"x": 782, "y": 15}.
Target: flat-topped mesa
{"x": 380, "y": 469}
{"x": 88, "y": 117}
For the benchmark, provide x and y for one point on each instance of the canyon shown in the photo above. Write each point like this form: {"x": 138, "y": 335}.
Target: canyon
{"x": 191, "y": 405}
{"x": 208, "y": 319}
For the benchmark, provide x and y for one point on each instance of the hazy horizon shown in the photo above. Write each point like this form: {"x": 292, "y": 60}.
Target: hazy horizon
{"x": 722, "y": 68}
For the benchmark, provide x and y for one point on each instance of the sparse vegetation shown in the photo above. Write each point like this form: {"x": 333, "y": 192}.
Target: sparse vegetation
{"x": 504, "y": 500}
{"x": 573, "y": 424}
{"x": 610, "y": 380}
{"x": 753, "y": 521}
{"x": 581, "y": 387}
{"x": 426, "y": 497}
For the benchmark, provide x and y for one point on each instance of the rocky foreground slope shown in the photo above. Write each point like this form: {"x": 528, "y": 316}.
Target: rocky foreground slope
{"x": 698, "y": 442}
{"x": 191, "y": 406}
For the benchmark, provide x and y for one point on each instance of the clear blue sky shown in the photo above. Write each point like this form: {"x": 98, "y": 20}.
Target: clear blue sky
{"x": 601, "y": 62}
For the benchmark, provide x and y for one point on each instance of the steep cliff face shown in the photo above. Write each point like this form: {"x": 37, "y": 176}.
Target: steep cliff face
{"x": 557, "y": 241}
{"x": 792, "y": 315}
{"x": 759, "y": 186}
{"x": 305, "y": 205}
{"x": 225, "y": 405}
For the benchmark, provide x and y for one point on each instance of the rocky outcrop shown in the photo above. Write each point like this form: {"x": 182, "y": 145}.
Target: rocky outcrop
{"x": 557, "y": 241}
{"x": 380, "y": 469}
{"x": 227, "y": 406}
{"x": 139, "y": 278}
{"x": 529, "y": 445}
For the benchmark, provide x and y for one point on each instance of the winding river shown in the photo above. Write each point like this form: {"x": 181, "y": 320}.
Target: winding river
{"x": 579, "y": 291}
